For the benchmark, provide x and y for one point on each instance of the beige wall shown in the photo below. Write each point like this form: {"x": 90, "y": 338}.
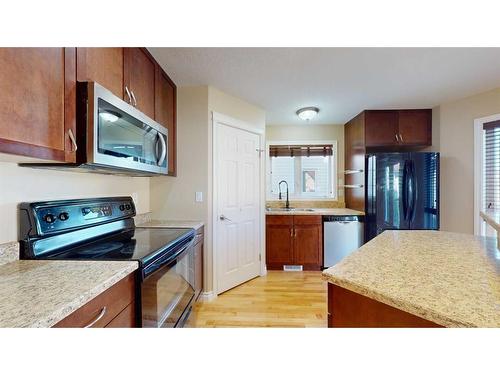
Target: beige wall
{"x": 313, "y": 133}
{"x": 174, "y": 198}
{"x": 18, "y": 184}
{"x": 453, "y": 124}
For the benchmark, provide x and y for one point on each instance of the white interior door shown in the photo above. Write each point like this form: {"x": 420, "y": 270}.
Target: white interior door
{"x": 237, "y": 229}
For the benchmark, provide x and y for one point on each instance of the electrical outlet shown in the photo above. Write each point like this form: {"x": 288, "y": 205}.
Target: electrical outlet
{"x": 199, "y": 196}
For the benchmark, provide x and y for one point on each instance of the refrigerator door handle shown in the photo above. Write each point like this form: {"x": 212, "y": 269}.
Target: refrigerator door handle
{"x": 412, "y": 191}
{"x": 405, "y": 190}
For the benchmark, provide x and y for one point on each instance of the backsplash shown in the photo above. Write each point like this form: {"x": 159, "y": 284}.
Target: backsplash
{"x": 19, "y": 184}
{"x": 307, "y": 204}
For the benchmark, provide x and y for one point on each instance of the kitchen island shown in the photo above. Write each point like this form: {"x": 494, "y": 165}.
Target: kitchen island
{"x": 417, "y": 279}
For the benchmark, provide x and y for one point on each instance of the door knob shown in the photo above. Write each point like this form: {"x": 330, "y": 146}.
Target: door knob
{"x": 222, "y": 217}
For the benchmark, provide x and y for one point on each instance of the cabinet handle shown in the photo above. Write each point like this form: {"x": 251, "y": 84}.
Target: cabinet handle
{"x": 397, "y": 139}
{"x": 73, "y": 140}
{"x": 291, "y": 232}
{"x": 133, "y": 97}
{"x": 129, "y": 96}
{"x": 400, "y": 137}
{"x": 98, "y": 317}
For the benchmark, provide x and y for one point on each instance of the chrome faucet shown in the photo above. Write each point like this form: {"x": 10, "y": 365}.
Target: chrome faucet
{"x": 287, "y": 205}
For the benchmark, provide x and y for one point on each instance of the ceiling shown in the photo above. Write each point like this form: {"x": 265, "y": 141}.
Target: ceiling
{"x": 340, "y": 81}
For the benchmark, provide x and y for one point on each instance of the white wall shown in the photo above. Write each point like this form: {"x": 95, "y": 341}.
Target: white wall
{"x": 313, "y": 133}
{"x": 19, "y": 184}
{"x": 173, "y": 198}
{"x": 453, "y": 133}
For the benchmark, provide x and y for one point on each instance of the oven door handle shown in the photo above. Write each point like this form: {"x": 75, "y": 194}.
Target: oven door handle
{"x": 156, "y": 265}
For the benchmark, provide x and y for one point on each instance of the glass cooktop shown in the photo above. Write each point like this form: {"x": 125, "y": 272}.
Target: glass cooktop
{"x": 141, "y": 244}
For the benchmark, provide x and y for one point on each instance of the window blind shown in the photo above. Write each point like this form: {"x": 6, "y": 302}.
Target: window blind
{"x": 305, "y": 150}
{"x": 491, "y": 165}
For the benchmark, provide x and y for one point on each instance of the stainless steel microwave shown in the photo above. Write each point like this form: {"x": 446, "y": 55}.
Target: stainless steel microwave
{"x": 114, "y": 137}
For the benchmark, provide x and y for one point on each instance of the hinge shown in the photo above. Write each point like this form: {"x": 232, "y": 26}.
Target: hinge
{"x": 260, "y": 257}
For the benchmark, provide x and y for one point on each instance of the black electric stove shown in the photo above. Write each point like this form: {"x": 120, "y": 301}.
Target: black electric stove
{"x": 103, "y": 229}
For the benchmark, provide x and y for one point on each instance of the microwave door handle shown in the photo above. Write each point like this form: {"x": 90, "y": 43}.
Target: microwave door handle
{"x": 163, "y": 149}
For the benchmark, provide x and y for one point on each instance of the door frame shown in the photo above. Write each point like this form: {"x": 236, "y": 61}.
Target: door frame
{"x": 478, "y": 170}
{"x": 245, "y": 126}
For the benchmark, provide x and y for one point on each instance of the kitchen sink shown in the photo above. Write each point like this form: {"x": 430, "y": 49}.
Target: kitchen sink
{"x": 281, "y": 209}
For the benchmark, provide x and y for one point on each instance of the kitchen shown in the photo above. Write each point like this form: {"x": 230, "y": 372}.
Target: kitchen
{"x": 328, "y": 189}
{"x": 162, "y": 187}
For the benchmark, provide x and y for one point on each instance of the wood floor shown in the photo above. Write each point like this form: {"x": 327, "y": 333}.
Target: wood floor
{"x": 280, "y": 299}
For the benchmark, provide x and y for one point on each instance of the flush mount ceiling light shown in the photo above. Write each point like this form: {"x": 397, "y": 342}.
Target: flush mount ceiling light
{"x": 110, "y": 116}
{"x": 307, "y": 113}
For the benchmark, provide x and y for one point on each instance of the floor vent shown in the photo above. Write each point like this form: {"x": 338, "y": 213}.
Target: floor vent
{"x": 292, "y": 268}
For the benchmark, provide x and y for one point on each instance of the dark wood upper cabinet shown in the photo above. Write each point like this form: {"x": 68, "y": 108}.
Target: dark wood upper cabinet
{"x": 294, "y": 240}
{"x": 38, "y": 116}
{"x": 101, "y": 65}
{"x": 380, "y": 131}
{"x": 37, "y": 112}
{"x": 165, "y": 113}
{"x": 382, "y": 128}
{"x": 139, "y": 78}
{"x": 415, "y": 127}
{"x": 398, "y": 128}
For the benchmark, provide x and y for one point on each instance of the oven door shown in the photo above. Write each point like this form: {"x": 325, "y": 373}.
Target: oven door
{"x": 167, "y": 290}
{"x": 121, "y": 136}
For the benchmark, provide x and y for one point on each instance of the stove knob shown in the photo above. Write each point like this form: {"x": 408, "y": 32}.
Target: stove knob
{"x": 63, "y": 216}
{"x": 49, "y": 218}
{"x": 128, "y": 206}
{"x": 122, "y": 207}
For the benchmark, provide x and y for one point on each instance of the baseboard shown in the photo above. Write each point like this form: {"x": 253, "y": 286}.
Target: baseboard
{"x": 263, "y": 270}
{"x": 207, "y": 296}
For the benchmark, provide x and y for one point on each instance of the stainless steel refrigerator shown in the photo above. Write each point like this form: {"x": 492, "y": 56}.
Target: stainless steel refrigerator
{"x": 402, "y": 191}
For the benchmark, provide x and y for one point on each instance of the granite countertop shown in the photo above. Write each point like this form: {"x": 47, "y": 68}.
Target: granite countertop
{"x": 40, "y": 293}
{"x": 171, "y": 224}
{"x": 317, "y": 211}
{"x": 452, "y": 279}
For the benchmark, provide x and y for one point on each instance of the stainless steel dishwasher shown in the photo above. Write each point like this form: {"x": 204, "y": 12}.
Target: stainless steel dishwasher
{"x": 341, "y": 236}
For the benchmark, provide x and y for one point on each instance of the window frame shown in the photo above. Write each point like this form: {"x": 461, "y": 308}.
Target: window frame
{"x": 333, "y": 170}
{"x": 479, "y": 225}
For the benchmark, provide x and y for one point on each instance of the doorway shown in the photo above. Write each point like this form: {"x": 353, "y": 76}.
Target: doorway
{"x": 238, "y": 207}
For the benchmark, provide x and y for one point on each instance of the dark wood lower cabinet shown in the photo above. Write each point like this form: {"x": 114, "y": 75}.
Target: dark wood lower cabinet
{"x": 294, "y": 240}
{"x": 347, "y": 309}
{"x": 115, "y": 307}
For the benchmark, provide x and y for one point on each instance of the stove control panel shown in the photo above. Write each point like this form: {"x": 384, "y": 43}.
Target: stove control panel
{"x": 60, "y": 216}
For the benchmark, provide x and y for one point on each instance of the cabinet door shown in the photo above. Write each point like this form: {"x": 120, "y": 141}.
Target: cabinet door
{"x": 139, "y": 75}
{"x": 165, "y": 114}
{"x": 101, "y": 65}
{"x": 381, "y": 128}
{"x": 37, "y": 109}
{"x": 279, "y": 241}
{"x": 415, "y": 127}
{"x": 308, "y": 242}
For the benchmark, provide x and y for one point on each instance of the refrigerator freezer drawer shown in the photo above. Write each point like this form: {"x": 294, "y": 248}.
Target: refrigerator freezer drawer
{"x": 340, "y": 239}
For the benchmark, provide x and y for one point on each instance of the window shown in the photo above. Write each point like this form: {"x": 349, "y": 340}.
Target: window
{"x": 309, "y": 170}
{"x": 491, "y": 165}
